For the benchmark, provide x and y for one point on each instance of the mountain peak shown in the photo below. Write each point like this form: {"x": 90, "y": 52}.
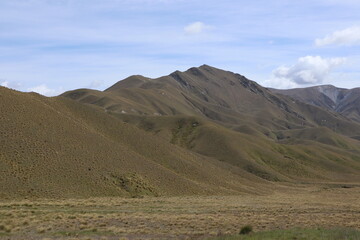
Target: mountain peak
{"x": 129, "y": 82}
{"x": 209, "y": 68}
{"x": 204, "y": 66}
{"x": 193, "y": 69}
{"x": 326, "y": 86}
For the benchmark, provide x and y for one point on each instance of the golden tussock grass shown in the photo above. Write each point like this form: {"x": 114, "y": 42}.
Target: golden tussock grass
{"x": 179, "y": 217}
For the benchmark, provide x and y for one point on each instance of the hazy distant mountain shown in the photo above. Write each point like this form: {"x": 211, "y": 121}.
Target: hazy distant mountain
{"x": 344, "y": 101}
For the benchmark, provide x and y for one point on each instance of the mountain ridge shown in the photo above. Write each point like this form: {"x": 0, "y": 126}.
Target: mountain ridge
{"x": 226, "y": 99}
{"x": 341, "y": 100}
{"x": 209, "y": 92}
{"x": 204, "y": 131}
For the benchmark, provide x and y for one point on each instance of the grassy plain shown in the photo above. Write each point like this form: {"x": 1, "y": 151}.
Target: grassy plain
{"x": 324, "y": 207}
{"x": 299, "y": 234}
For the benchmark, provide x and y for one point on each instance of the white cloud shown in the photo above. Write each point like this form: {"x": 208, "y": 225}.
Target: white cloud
{"x": 349, "y": 36}
{"x": 12, "y": 85}
{"x": 195, "y": 28}
{"x": 4, "y": 84}
{"x": 308, "y": 70}
{"x": 95, "y": 84}
{"x": 44, "y": 90}
{"x": 279, "y": 83}
{"x": 70, "y": 43}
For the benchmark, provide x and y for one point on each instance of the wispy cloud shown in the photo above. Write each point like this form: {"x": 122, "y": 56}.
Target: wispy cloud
{"x": 41, "y": 89}
{"x": 196, "y": 28}
{"x": 10, "y": 84}
{"x": 44, "y": 90}
{"x": 346, "y": 37}
{"x": 96, "y": 84}
{"x": 72, "y": 43}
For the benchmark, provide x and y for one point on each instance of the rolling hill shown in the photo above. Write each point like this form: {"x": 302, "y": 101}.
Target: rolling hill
{"x": 228, "y": 117}
{"x": 55, "y": 147}
{"x": 204, "y": 131}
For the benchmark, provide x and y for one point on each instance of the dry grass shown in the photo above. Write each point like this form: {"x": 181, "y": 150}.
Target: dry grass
{"x": 178, "y": 217}
{"x": 56, "y": 147}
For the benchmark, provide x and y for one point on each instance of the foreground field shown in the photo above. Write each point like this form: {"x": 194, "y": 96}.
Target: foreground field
{"x": 180, "y": 217}
{"x": 299, "y": 234}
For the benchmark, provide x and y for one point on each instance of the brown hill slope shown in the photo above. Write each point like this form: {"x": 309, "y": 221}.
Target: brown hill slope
{"x": 207, "y": 131}
{"x": 55, "y": 147}
{"x": 221, "y": 96}
{"x": 299, "y": 155}
{"x": 344, "y": 101}
{"x": 234, "y": 120}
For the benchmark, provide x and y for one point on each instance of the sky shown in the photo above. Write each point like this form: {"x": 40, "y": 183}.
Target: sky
{"x": 51, "y": 46}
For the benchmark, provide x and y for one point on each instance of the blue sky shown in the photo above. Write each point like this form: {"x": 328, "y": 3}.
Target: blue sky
{"x": 51, "y": 46}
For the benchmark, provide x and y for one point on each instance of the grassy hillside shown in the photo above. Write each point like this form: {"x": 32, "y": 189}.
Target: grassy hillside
{"x": 311, "y": 154}
{"x": 227, "y": 117}
{"x": 224, "y": 97}
{"x": 54, "y": 147}
{"x": 200, "y": 132}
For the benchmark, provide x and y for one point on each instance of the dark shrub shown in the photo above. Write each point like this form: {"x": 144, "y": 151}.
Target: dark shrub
{"x": 246, "y": 229}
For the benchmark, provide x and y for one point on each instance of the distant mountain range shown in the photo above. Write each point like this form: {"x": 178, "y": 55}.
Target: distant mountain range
{"x": 343, "y": 101}
{"x": 202, "y": 131}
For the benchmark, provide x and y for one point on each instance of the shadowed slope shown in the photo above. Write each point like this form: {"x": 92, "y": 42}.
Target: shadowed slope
{"x": 299, "y": 155}
{"x": 344, "y": 101}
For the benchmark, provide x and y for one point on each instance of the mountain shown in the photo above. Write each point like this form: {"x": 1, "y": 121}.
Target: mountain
{"x": 55, "y": 147}
{"x": 227, "y": 117}
{"x": 223, "y": 97}
{"x": 344, "y": 101}
{"x": 204, "y": 131}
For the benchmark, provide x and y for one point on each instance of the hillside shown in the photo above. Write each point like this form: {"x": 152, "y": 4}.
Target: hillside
{"x": 217, "y": 95}
{"x": 55, "y": 147}
{"x": 201, "y": 132}
{"x": 343, "y": 101}
{"x": 225, "y": 116}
